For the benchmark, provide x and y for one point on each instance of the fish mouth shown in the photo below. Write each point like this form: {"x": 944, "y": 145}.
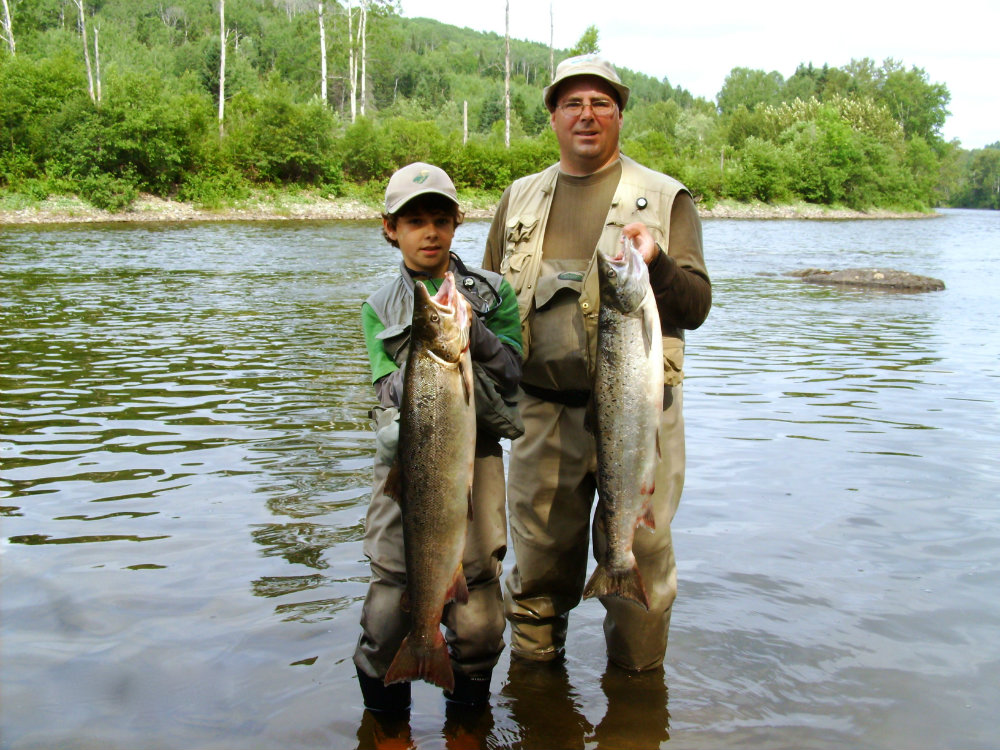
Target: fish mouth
{"x": 618, "y": 258}
{"x": 444, "y": 301}
{"x": 448, "y": 300}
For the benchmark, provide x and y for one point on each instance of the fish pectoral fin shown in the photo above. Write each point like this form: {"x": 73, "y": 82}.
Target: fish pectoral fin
{"x": 647, "y": 519}
{"x": 659, "y": 454}
{"x": 459, "y": 589}
{"x": 465, "y": 368}
{"x": 648, "y": 332}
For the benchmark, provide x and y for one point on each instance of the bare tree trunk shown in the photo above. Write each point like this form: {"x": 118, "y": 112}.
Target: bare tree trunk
{"x": 86, "y": 48}
{"x": 222, "y": 66}
{"x": 552, "y": 45}
{"x": 8, "y": 27}
{"x": 352, "y": 63}
{"x": 363, "y": 31}
{"x": 97, "y": 63}
{"x": 322, "y": 55}
{"x": 506, "y": 80}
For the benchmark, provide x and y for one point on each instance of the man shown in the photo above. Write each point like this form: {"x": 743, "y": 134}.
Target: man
{"x": 544, "y": 238}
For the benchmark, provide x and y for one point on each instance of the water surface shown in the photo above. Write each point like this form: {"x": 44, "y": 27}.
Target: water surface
{"x": 186, "y": 457}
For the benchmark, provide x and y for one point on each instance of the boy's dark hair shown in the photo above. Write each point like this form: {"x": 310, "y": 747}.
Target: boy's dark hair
{"x": 429, "y": 202}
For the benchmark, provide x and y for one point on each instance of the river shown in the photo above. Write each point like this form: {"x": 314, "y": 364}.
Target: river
{"x": 185, "y": 469}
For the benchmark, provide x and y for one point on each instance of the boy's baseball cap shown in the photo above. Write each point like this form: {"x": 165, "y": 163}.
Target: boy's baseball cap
{"x": 416, "y": 179}
{"x": 585, "y": 65}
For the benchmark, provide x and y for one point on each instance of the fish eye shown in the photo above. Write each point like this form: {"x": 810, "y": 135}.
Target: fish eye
{"x": 612, "y": 273}
{"x": 434, "y": 317}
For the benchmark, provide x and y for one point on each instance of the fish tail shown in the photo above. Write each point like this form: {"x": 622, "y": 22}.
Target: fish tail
{"x": 628, "y": 586}
{"x": 415, "y": 663}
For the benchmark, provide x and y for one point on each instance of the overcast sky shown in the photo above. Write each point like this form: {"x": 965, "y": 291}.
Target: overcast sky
{"x": 695, "y": 45}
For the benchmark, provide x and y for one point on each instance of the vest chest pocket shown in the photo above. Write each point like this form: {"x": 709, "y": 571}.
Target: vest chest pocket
{"x": 516, "y": 255}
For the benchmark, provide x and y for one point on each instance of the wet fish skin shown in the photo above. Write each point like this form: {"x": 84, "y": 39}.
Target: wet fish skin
{"x": 432, "y": 477}
{"x": 628, "y": 401}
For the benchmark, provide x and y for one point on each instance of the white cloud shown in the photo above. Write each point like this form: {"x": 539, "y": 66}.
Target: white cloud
{"x": 695, "y": 45}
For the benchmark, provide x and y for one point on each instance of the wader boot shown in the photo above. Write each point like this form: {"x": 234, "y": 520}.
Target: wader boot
{"x": 471, "y": 689}
{"x": 378, "y": 696}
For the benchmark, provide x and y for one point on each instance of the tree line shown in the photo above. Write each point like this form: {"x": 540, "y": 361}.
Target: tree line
{"x": 210, "y": 100}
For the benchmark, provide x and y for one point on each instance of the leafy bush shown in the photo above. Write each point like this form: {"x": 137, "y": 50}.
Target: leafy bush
{"x": 108, "y": 192}
{"x": 274, "y": 139}
{"x": 761, "y": 173}
{"x": 213, "y": 189}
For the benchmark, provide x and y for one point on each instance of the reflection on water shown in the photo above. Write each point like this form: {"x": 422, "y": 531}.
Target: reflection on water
{"x": 186, "y": 461}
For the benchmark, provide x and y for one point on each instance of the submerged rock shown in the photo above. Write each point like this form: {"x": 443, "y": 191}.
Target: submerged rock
{"x": 877, "y": 278}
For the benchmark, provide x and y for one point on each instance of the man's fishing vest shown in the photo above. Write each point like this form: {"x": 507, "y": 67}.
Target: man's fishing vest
{"x": 642, "y": 195}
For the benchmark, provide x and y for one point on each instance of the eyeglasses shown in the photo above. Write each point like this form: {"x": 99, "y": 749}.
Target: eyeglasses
{"x": 575, "y": 107}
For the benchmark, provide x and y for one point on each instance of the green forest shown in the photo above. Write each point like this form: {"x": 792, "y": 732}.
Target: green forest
{"x": 208, "y": 101}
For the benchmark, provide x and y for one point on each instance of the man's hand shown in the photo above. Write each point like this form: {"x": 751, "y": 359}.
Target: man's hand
{"x": 642, "y": 240}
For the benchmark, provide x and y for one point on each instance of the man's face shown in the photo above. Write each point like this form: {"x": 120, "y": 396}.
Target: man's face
{"x": 424, "y": 238}
{"x": 587, "y": 141}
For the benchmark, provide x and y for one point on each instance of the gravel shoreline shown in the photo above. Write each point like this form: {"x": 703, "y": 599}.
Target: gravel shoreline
{"x": 152, "y": 209}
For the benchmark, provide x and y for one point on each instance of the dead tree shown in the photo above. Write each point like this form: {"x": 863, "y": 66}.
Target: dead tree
{"x": 222, "y": 65}
{"x": 86, "y": 48}
{"x": 506, "y": 80}
{"x": 322, "y": 55}
{"x": 7, "y": 28}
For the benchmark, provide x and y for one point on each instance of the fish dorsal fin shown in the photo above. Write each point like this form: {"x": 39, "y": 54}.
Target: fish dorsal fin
{"x": 465, "y": 368}
{"x": 393, "y": 483}
{"x": 647, "y": 328}
{"x": 459, "y": 589}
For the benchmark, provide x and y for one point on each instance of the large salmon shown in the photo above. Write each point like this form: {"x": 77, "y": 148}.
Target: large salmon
{"x": 432, "y": 477}
{"x": 628, "y": 401}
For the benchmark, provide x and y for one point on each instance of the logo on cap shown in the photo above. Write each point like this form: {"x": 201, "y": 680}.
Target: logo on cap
{"x": 421, "y": 178}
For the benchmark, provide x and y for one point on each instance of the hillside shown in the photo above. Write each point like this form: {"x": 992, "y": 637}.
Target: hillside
{"x": 140, "y": 112}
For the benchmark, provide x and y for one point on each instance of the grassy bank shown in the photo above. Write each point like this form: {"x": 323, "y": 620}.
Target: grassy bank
{"x": 303, "y": 205}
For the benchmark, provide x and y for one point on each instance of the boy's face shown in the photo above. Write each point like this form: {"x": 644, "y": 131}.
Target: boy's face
{"x": 424, "y": 238}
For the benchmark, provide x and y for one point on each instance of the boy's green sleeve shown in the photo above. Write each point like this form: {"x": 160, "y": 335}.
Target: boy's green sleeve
{"x": 505, "y": 320}
{"x": 381, "y": 362}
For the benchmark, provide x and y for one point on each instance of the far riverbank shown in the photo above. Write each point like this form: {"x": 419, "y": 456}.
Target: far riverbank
{"x": 148, "y": 208}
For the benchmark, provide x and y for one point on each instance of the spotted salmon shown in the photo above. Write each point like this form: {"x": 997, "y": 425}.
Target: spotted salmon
{"x": 431, "y": 478}
{"x": 628, "y": 401}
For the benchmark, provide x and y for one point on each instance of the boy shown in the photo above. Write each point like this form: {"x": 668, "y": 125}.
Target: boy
{"x": 421, "y": 215}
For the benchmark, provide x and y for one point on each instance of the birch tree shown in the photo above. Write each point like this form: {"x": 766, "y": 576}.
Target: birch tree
{"x": 222, "y": 65}
{"x": 356, "y": 54}
{"x": 322, "y": 55}
{"x": 7, "y": 28}
{"x": 97, "y": 63}
{"x": 506, "y": 79}
{"x": 352, "y": 76}
{"x": 552, "y": 44}
{"x": 363, "y": 33}
{"x": 86, "y": 48}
